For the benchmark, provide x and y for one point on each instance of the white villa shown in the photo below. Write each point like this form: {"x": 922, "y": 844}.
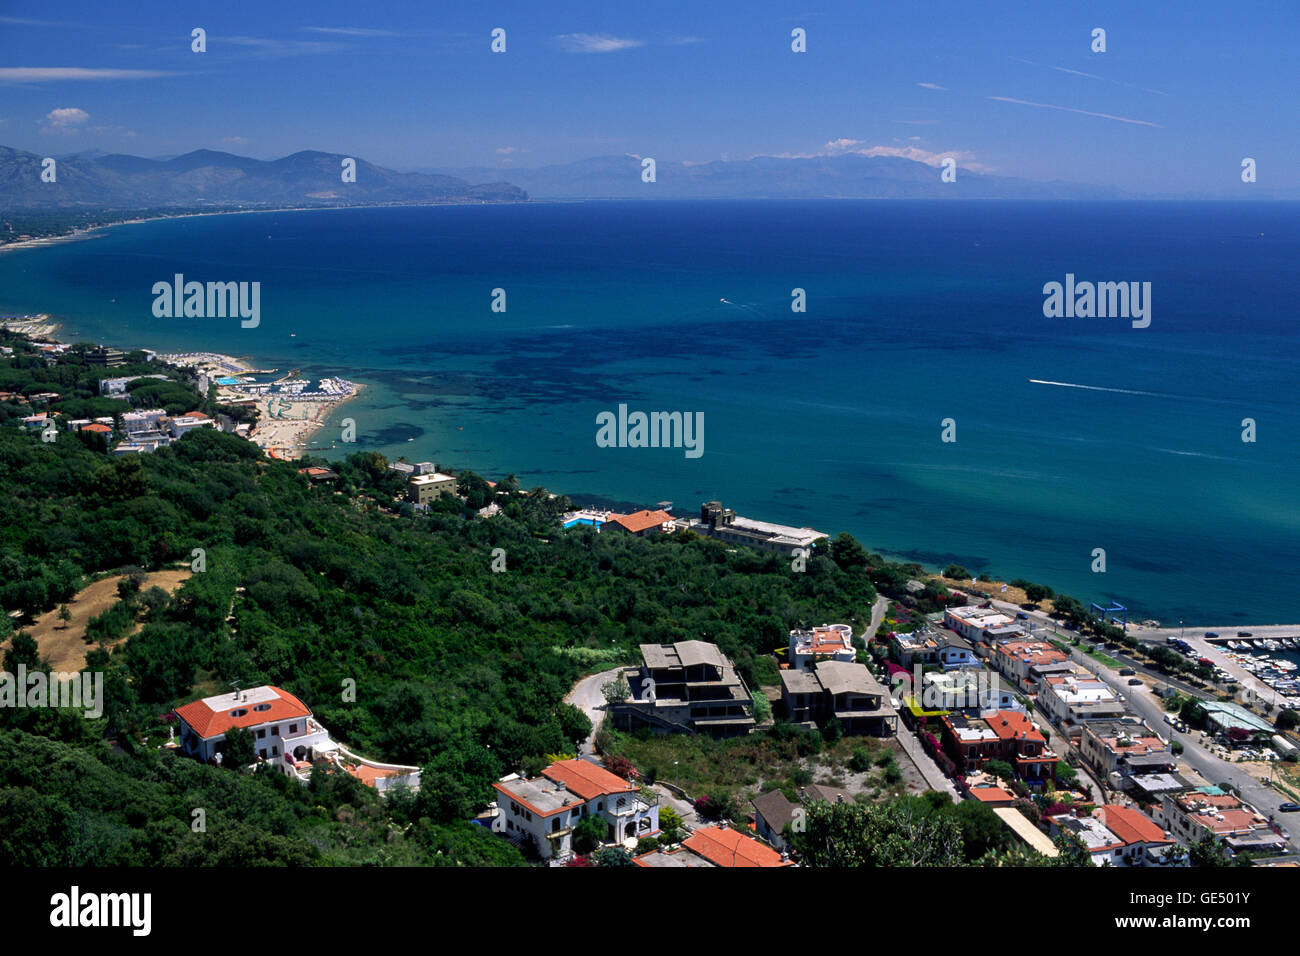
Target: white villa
{"x": 285, "y": 734}
{"x": 548, "y": 808}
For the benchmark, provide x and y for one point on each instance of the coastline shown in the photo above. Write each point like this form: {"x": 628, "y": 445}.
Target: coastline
{"x": 286, "y": 422}
{"x": 76, "y": 235}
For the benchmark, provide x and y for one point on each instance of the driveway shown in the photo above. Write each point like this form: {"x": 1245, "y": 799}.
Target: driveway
{"x": 586, "y": 696}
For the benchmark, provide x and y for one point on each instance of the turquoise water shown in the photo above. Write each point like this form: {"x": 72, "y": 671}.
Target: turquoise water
{"x": 916, "y": 312}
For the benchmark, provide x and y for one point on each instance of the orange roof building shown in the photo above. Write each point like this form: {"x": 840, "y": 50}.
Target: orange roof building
{"x": 724, "y": 846}
{"x": 640, "y": 523}
{"x": 211, "y": 717}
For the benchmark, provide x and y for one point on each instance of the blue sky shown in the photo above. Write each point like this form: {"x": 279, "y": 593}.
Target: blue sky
{"x": 1183, "y": 92}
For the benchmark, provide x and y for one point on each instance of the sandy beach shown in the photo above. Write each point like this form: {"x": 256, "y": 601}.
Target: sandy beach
{"x": 288, "y": 436}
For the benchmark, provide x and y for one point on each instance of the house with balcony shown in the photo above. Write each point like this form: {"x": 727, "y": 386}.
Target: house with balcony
{"x": 972, "y": 690}
{"x": 687, "y": 687}
{"x": 1005, "y": 735}
{"x": 546, "y": 809}
{"x": 1124, "y": 746}
{"x": 640, "y": 524}
{"x": 285, "y": 736}
{"x": 828, "y": 642}
{"x": 846, "y": 692}
{"x": 1021, "y": 661}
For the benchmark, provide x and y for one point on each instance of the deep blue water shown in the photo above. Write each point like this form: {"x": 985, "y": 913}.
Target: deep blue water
{"x": 917, "y": 312}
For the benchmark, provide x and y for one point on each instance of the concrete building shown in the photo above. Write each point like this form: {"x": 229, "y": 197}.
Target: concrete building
{"x": 1111, "y": 746}
{"x": 1189, "y": 815}
{"x": 425, "y": 488}
{"x": 687, "y": 687}
{"x": 1078, "y": 697}
{"x": 1004, "y": 735}
{"x": 843, "y": 691}
{"x": 725, "y": 525}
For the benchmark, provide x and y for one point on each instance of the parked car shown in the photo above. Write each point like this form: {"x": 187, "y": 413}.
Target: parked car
{"x": 1211, "y": 633}
{"x": 1022, "y": 615}
{"x": 1126, "y": 672}
{"x": 1288, "y": 807}
{"x": 1245, "y": 634}
{"x": 1135, "y": 682}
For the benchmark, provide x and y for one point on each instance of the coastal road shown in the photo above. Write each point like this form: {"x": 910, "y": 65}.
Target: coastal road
{"x": 586, "y": 696}
{"x": 1145, "y": 704}
{"x": 1229, "y": 631}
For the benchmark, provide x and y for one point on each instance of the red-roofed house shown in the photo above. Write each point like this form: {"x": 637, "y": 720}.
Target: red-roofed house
{"x": 1144, "y": 841}
{"x": 285, "y": 734}
{"x": 724, "y": 846}
{"x": 96, "y": 429}
{"x": 640, "y": 523}
{"x": 1023, "y": 745}
{"x": 546, "y": 809}
{"x": 274, "y": 716}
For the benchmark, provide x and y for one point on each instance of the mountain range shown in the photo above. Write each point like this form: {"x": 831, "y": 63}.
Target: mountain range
{"x": 844, "y": 176}
{"x": 208, "y": 177}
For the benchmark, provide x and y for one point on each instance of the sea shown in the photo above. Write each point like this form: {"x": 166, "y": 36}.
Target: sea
{"x": 1152, "y": 467}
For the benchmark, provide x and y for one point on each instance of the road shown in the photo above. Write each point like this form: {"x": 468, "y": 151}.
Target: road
{"x": 586, "y": 696}
{"x": 1144, "y": 703}
{"x": 1226, "y": 630}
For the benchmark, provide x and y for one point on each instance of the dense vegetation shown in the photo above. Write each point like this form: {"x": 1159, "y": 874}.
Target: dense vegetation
{"x": 457, "y": 669}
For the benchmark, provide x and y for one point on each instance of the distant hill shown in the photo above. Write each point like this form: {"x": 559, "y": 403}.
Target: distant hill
{"x": 847, "y": 176}
{"x": 95, "y": 180}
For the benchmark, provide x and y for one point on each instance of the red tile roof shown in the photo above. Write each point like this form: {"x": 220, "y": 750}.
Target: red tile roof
{"x": 207, "y": 722}
{"x": 586, "y": 779}
{"x": 1131, "y": 825}
{"x": 732, "y": 848}
{"x": 992, "y": 795}
{"x": 194, "y": 415}
{"x": 640, "y": 520}
{"x": 97, "y": 429}
{"x": 1013, "y": 725}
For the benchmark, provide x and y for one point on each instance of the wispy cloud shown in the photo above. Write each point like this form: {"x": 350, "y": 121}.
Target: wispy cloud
{"x": 595, "y": 42}
{"x": 1091, "y": 76}
{"x": 236, "y": 140}
{"x": 354, "y": 31}
{"x": 269, "y": 47}
{"x": 933, "y": 86}
{"x": 1070, "y": 109}
{"x": 46, "y": 74}
{"x": 685, "y": 41}
{"x": 25, "y": 22}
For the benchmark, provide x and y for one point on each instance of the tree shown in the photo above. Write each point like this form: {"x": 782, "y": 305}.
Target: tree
{"x": 613, "y": 856}
{"x": 1066, "y": 775}
{"x": 1073, "y": 851}
{"x": 589, "y": 834}
{"x": 64, "y": 615}
{"x": 999, "y": 768}
{"x": 893, "y": 834}
{"x": 670, "y": 823}
{"x": 239, "y": 751}
{"x": 22, "y": 650}
{"x": 847, "y": 553}
{"x": 1288, "y": 719}
{"x": 1208, "y": 851}
{"x": 1037, "y": 592}
{"x": 955, "y": 572}
{"x": 616, "y": 691}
